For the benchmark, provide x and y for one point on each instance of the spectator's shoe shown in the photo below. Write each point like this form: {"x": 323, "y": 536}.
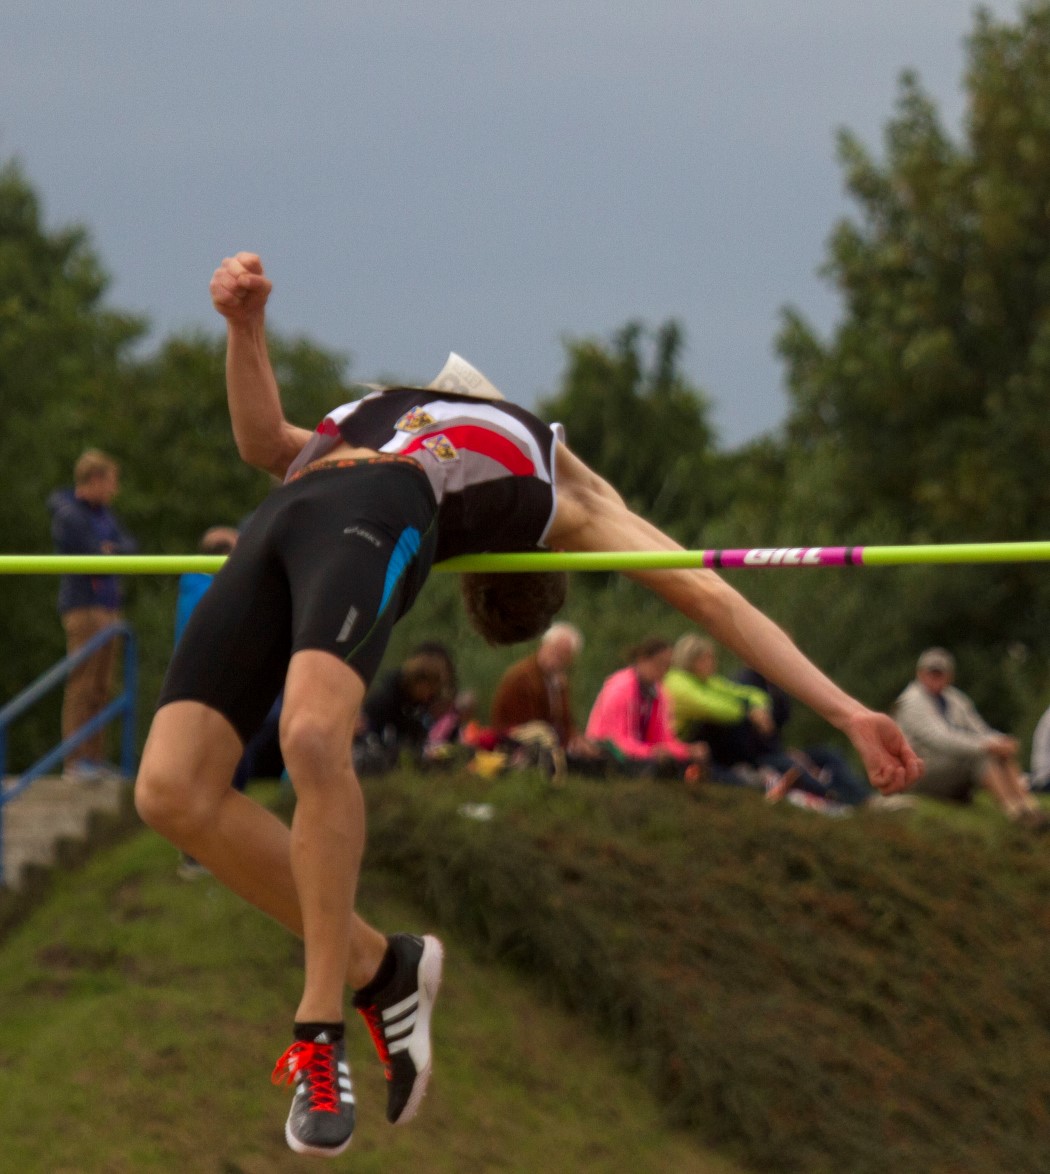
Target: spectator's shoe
{"x": 85, "y": 772}
{"x": 779, "y": 786}
{"x": 399, "y": 1020}
{"x": 190, "y": 869}
{"x": 321, "y": 1119}
{"x": 1033, "y": 819}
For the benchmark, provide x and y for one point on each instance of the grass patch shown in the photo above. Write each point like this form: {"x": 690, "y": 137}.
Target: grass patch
{"x": 143, "y": 1016}
{"x": 866, "y": 994}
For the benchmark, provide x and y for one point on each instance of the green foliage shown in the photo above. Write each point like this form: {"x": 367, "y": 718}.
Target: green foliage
{"x": 69, "y": 380}
{"x": 927, "y": 402}
{"x": 643, "y": 428}
{"x": 62, "y": 356}
{"x": 920, "y": 419}
{"x": 864, "y": 995}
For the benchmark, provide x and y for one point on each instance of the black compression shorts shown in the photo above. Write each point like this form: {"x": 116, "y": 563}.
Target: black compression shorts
{"x": 330, "y": 561}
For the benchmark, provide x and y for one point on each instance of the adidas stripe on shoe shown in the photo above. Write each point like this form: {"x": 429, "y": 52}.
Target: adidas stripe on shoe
{"x": 398, "y": 1018}
{"x": 321, "y": 1119}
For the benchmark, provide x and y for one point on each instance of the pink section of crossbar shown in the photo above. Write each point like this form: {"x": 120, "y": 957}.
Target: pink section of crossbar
{"x": 786, "y": 556}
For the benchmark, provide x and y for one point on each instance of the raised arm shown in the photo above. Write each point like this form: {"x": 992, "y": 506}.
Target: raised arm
{"x": 591, "y": 515}
{"x": 239, "y": 292}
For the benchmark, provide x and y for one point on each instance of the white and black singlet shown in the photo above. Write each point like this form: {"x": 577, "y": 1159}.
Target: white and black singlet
{"x": 334, "y": 557}
{"x": 490, "y": 463}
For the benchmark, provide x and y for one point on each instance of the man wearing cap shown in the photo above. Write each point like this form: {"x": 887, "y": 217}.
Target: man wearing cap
{"x": 960, "y": 749}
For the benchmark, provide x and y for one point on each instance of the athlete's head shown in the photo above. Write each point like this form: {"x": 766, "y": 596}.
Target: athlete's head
{"x": 507, "y": 607}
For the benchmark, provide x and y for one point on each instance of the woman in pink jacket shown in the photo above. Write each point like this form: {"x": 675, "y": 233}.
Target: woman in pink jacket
{"x": 631, "y": 716}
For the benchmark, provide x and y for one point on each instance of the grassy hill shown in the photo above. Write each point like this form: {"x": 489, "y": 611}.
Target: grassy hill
{"x": 142, "y": 1016}
{"x": 798, "y": 993}
{"x": 866, "y": 994}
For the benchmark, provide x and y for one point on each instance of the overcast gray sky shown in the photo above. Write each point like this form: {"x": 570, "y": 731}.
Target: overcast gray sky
{"x": 485, "y": 177}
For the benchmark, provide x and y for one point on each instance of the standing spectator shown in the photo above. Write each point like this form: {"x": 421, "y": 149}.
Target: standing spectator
{"x": 83, "y": 523}
{"x": 1040, "y": 772}
{"x": 631, "y": 718}
{"x": 960, "y": 749}
{"x": 536, "y": 689}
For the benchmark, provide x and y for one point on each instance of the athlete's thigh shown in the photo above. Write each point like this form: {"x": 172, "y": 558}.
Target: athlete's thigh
{"x": 191, "y": 742}
{"x": 357, "y": 563}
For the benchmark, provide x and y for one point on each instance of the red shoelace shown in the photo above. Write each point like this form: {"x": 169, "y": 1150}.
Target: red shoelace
{"x": 314, "y": 1061}
{"x": 374, "y": 1018}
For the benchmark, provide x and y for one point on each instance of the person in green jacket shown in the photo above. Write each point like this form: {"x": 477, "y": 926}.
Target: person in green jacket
{"x": 712, "y": 708}
{"x": 738, "y": 723}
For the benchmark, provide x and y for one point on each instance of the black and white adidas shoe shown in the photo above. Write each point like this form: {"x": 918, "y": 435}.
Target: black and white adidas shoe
{"x": 321, "y": 1119}
{"x": 399, "y": 1019}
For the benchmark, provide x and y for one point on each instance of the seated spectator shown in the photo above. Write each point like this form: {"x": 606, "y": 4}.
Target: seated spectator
{"x": 824, "y": 771}
{"x": 711, "y": 708}
{"x": 399, "y": 709}
{"x": 536, "y": 690}
{"x": 960, "y": 749}
{"x": 736, "y": 722}
{"x": 1039, "y": 779}
{"x": 631, "y": 719}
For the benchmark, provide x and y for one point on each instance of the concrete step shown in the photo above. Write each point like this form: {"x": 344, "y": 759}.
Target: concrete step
{"x": 54, "y": 820}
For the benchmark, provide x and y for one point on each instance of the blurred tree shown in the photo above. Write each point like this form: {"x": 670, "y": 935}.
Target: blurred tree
{"x": 60, "y": 357}
{"x": 926, "y": 410}
{"x": 183, "y": 473}
{"x": 641, "y": 425}
{"x": 60, "y": 376}
{"x": 924, "y": 417}
{"x": 68, "y": 380}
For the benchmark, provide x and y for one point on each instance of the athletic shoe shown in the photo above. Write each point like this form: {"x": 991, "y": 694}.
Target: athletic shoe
{"x": 321, "y": 1119}
{"x": 399, "y": 1020}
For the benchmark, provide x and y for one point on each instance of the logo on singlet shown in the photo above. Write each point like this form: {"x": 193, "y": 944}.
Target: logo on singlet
{"x": 414, "y": 420}
{"x": 441, "y": 447}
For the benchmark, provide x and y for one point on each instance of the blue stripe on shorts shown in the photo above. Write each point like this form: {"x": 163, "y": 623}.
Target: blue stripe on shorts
{"x": 404, "y": 552}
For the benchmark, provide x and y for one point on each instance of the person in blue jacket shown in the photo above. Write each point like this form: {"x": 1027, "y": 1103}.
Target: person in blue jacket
{"x": 83, "y": 523}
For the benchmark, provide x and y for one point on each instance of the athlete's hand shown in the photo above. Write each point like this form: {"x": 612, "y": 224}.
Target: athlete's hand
{"x": 891, "y": 763}
{"x": 239, "y": 288}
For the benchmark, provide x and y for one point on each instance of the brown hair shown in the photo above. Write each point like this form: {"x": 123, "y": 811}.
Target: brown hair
{"x": 650, "y": 646}
{"x": 423, "y": 668}
{"x": 92, "y": 463}
{"x": 506, "y": 607}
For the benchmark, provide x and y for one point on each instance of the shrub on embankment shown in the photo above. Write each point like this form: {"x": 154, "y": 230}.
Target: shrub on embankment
{"x": 864, "y": 995}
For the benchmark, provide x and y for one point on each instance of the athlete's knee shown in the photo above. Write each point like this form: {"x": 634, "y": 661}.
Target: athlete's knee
{"x": 313, "y": 743}
{"x": 169, "y": 801}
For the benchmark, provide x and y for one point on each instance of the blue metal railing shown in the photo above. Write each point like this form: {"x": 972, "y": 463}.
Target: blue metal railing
{"x": 122, "y": 706}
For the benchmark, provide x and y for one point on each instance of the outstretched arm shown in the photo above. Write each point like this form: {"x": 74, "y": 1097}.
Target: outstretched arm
{"x": 591, "y": 515}
{"x": 239, "y": 291}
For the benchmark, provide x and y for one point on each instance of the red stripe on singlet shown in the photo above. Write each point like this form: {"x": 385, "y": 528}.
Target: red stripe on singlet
{"x": 482, "y": 440}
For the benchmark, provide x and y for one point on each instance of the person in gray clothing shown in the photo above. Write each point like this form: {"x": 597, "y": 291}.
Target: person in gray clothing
{"x": 960, "y": 749}
{"x": 1040, "y": 769}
